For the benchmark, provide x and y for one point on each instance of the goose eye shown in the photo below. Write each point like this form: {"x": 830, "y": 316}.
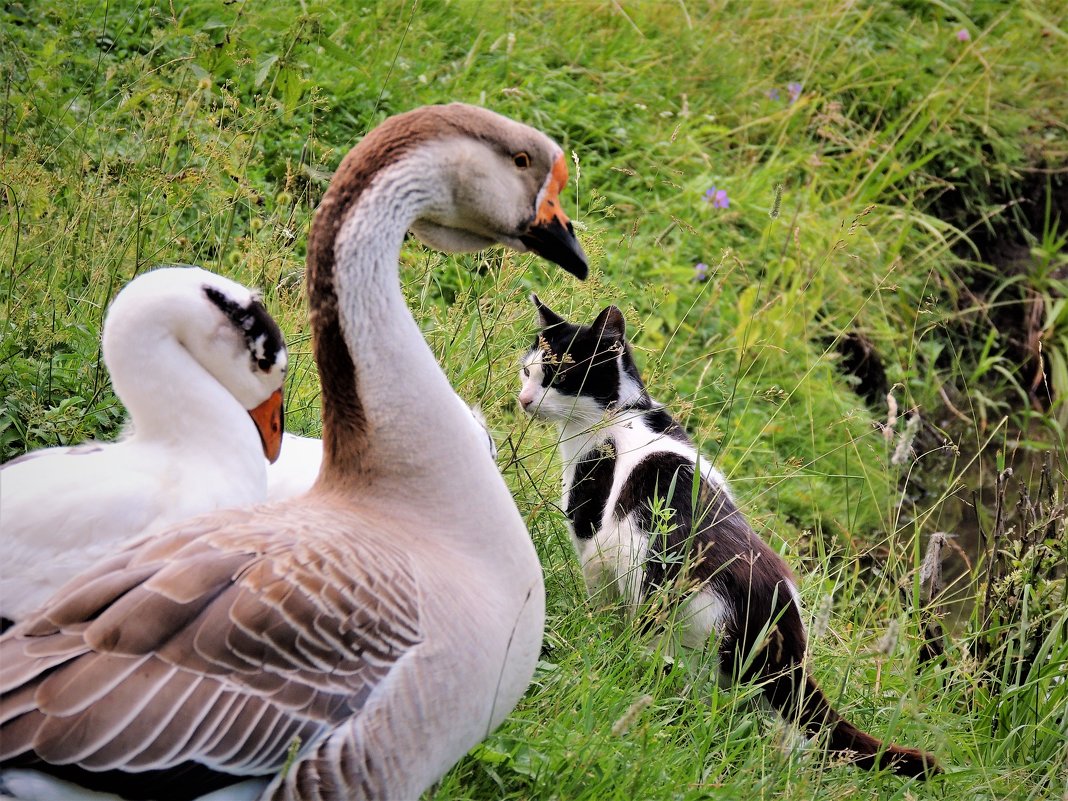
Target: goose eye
{"x": 521, "y": 159}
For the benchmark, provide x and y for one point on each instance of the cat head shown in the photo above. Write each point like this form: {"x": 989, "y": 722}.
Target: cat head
{"x": 574, "y": 373}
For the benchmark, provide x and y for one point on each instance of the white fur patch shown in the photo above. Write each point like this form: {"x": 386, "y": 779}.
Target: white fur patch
{"x": 547, "y": 403}
{"x": 703, "y": 614}
{"x": 629, "y": 389}
{"x": 613, "y": 560}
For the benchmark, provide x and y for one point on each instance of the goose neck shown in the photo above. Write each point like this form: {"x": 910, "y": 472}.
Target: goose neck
{"x": 387, "y": 405}
{"x": 172, "y": 398}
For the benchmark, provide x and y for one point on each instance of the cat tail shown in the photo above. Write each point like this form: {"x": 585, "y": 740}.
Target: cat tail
{"x": 817, "y": 716}
{"x": 795, "y": 695}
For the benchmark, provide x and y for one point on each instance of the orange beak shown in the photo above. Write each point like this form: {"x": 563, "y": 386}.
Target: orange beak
{"x": 550, "y": 208}
{"x": 551, "y": 235}
{"x": 269, "y": 418}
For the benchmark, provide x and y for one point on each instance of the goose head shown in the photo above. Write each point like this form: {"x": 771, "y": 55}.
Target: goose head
{"x": 221, "y": 324}
{"x": 501, "y": 179}
{"x": 458, "y": 177}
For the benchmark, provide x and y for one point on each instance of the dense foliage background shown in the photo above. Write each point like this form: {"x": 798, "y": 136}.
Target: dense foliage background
{"x": 838, "y": 234}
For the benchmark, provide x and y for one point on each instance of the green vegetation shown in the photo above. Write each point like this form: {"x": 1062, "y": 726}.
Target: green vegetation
{"x": 895, "y": 187}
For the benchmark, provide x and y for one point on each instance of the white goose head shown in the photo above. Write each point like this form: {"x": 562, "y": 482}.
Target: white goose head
{"x": 221, "y": 328}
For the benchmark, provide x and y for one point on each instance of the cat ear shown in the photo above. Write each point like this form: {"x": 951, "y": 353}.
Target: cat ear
{"x": 610, "y": 324}
{"x": 546, "y": 316}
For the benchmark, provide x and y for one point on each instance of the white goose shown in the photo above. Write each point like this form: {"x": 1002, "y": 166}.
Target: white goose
{"x": 378, "y": 626}
{"x": 189, "y": 353}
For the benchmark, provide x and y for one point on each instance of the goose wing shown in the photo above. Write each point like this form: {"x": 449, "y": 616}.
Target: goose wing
{"x": 61, "y": 509}
{"x": 217, "y": 644}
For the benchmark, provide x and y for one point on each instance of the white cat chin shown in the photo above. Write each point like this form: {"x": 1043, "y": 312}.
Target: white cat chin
{"x": 532, "y": 401}
{"x": 566, "y": 409}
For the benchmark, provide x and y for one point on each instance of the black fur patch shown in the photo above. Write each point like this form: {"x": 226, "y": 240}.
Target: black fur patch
{"x": 262, "y": 334}
{"x": 708, "y": 540}
{"x": 579, "y": 361}
{"x": 661, "y": 421}
{"x": 665, "y": 481}
{"x": 589, "y": 491}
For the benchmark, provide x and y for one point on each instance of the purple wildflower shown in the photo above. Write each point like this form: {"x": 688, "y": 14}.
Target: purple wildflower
{"x": 794, "y": 88}
{"x": 963, "y": 35}
{"x": 773, "y": 93}
{"x": 700, "y": 271}
{"x": 718, "y": 198}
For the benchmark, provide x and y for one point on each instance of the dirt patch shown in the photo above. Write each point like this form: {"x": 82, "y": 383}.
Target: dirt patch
{"x": 1004, "y": 234}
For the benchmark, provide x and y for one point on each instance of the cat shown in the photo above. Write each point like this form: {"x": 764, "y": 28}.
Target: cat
{"x": 650, "y": 519}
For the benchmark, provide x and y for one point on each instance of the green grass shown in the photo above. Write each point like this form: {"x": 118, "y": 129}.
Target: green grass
{"x": 134, "y": 133}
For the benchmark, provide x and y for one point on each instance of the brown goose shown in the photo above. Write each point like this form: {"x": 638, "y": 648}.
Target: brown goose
{"x": 377, "y": 627}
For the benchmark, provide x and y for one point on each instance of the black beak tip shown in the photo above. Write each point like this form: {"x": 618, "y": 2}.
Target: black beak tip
{"x": 559, "y": 245}
{"x": 579, "y": 268}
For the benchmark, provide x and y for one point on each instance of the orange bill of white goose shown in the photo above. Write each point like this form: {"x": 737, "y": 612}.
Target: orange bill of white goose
{"x": 199, "y": 364}
{"x": 378, "y": 626}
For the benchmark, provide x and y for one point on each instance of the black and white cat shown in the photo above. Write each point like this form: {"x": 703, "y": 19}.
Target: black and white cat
{"x": 651, "y": 520}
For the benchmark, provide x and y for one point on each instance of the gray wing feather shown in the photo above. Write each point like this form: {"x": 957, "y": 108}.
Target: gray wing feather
{"x": 218, "y": 642}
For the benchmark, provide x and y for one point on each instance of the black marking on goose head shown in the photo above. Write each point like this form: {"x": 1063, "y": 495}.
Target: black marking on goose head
{"x": 262, "y": 334}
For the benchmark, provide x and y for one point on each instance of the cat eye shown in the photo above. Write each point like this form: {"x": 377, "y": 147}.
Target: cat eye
{"x": 526, "y": 372}
{"x": 521, "y": 159}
